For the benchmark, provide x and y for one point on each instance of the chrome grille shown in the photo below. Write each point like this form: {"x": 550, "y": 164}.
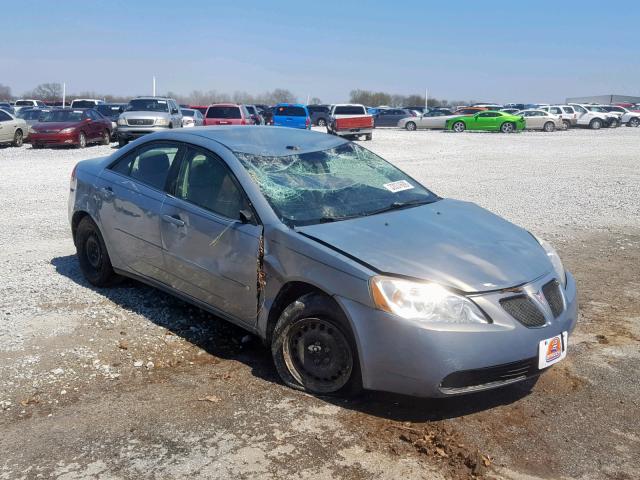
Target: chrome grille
{"x": 140, "y": 121}
{"x": 553, "y": 295}
{"x": 523, "y": 310}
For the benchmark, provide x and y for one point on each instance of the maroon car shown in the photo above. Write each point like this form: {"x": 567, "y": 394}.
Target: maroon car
{"x": 77, "y": 127}
{"x": 227, "y": 114}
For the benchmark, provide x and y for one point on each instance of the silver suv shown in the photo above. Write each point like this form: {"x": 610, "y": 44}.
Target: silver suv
{"x": 147, "y": 115}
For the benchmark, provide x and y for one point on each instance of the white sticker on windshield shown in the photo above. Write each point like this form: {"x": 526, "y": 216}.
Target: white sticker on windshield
{"x": 398, "y": 186}
{"x": 161, "y": 101}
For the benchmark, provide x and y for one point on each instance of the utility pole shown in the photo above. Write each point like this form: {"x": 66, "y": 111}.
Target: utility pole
{"x": 426, "y": 99}
{"x": 64, "y": 93}
{"x": 154, "y": 85}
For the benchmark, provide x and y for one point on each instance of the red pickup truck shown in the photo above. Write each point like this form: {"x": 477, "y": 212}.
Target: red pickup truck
{"x": 349, "y": 120}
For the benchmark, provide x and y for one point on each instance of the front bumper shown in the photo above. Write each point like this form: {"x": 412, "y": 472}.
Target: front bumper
{"x": 130, "y": 133}
{"x": 53, "y": 139}
{"x": 407, "y": 357}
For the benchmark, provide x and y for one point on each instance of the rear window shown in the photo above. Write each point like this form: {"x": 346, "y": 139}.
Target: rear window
{"x": 349, "y": 110}
{"x": 223, "y": 112}
{"x": 290, "y": 112}
{"x": 83, "y": 104}
{"x": 188, "y": 113}
{"x": 568, "y": 109}
{"x": 21, "y": 103}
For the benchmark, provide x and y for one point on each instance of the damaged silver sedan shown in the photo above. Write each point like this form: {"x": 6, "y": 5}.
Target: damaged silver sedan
{"x": 354, "y": 274}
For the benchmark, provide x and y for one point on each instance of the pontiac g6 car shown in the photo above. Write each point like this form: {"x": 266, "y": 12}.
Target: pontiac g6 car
{"x": 351, "y": 271}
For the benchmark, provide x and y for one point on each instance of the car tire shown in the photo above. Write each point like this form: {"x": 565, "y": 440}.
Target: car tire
{"x": 508, "y": 127}
{"x": 322, "y": 122}
{"x": 82, "y": 140}
{"x": 93, "y": 257}
{"x": 106, "y": 138}
{"x": 549, "y": 127}
{"x": 122, "y": 142}
{"x": 316, "y": 327}
{"x": 36, "y": 146}
{"x": 411, "y": 126}
{"x": 595, "y": 124}
{"x": 633, "y": 122}
{"x": 458, "y": 127}
{"x": 18, "y": 138}
{"x": 567, "y": 124}
{"x": 368, "y": 136}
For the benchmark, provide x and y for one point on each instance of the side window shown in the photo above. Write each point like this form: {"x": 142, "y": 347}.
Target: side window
{"x": 205, "y": 181}
{"x": 148, "y": 164}
{"x": 4, "y": 117}
{"x": 568, "y": 109}
{"x": 580, "y": 109}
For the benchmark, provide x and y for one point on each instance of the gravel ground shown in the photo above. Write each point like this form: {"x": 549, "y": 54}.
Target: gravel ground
{"x": 130, "y": 383}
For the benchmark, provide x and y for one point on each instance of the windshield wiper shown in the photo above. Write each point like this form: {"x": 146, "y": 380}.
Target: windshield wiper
{"x": 399, "y": 206}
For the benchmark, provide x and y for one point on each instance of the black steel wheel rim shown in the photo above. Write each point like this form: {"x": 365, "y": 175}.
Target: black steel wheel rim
{"x": 93, "y": 251}
{"x": 318, "y": 355}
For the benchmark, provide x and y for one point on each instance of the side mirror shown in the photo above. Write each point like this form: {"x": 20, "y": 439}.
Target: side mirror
{"x": 246, "y": 216}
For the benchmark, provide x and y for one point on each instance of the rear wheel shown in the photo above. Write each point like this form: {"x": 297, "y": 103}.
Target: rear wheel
{"x": 411, "y": 126}
{"x": 507, "y": 127}
{"x": 595, "y": 124}
{"x": 459, "y": 127}
{"x": 106, "y": 138}
{"x": 92, "y": 254}
{"x": 322, "y": 122}
{"x": 634, "y": 122}
{"x": 567, "y": 124}
{"x": 82, "y": 140}
{"x": 549, "y": 127}
{"x": 18, "y": 138}
{"x": 313, "y": 347}
{"x": 368, "y": 136}
{"x": 614, "y": 123}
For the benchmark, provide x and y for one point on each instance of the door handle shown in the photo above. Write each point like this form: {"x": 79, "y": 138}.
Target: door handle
{"x": 173, "y": 219}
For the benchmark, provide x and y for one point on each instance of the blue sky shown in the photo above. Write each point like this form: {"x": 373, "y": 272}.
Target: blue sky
{"x": 500, "y": 51}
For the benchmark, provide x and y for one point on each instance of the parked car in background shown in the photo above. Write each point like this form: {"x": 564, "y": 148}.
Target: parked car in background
{"x": 435, "y": 119}
{"x": 86, "y": 103}
{"x": 112, "y": 111}
{"x": 510, "y": 110}
{"x": 192, "y": 117}
{"x": 590, "y": 119}
{"x": 227, "y": 114}
{"x": 389, "y": 117}
{"x": 28, "y": 103}
{"x": 144, "y": 115}
{"x": 350, "y": 120}
{"x": 201, "y": 108}
{"x": 7, "y": 107}
{"x": 517, "y": 106}
{"x": 70, "y": 127}
{"x": 541, "y": 120}
{"x": 293, "y": 115}
{"x": 566, "y": 112}
{"x": 626, "y": 116}
{"x": 352, "y": 272}
{"x": 613, "y": 118}
{"x": 265, "y": 112}
{"x": 13, "y": 130}
{"x": 32, "y": 115}
{"x": 255, "y": 114}
{"x": 319, "y": 114}
{"x": 491, "y": 121}
{"x": 469, "y": 110}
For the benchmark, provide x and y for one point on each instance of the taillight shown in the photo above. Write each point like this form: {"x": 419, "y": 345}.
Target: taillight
{"x": 243, "y": 122}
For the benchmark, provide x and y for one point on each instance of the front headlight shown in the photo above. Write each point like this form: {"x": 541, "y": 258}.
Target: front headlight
{"x": 428, "y": 302}
{"x": 162, "y": 122}
{"x": 67, "y": 130}
{"x": 554, "y": 258}
{"x": 122, "y": 121}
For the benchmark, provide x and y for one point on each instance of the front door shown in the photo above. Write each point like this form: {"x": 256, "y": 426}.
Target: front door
{"x": 131, "y": 196}
{"x": 210, "y": 254}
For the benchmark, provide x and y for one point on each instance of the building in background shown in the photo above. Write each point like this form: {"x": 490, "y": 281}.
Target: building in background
{"x": 605, "y": 99}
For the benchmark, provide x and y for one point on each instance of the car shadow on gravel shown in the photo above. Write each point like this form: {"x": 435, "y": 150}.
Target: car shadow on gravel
{"x": 222, "y": 339}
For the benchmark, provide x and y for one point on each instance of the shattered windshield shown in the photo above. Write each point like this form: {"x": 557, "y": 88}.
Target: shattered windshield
{"x": 330, "y": 185}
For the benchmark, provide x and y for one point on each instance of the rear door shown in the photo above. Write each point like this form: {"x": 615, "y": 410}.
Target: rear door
{"x": 132, "y": 192}
{"x": 210, "y": 254}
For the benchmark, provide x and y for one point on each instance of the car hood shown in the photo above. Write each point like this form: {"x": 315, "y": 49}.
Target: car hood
{"x": 53, "y": 126}
{"x": 454, "y": 243}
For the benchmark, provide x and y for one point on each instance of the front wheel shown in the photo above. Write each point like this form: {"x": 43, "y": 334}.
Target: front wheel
{"x": 411, "y": 126}
{"x": 567, "y": 124}
{"x": 614, "y": 124}
{"x": 106, "y": 138}
{"x": 459, "y": 127}
{"x": 634, "y": 122}
{"x": 368, "y": 136}
{"x": 82, "y": 140}
{"x": 322, "y": 122}
{"x": 18, "y": 138}
{"x": 549, "y": 127}
{"x": 94, "y": 260}
{"x": 595, "y": 124}
{"x": 313, "y": 348}
{"x": 508, "y": 127}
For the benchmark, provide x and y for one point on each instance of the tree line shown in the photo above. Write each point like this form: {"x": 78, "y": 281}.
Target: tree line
{"x": 52, "y": 92}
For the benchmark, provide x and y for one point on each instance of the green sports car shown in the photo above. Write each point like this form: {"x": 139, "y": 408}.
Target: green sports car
{"x": 487, "y": 120}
